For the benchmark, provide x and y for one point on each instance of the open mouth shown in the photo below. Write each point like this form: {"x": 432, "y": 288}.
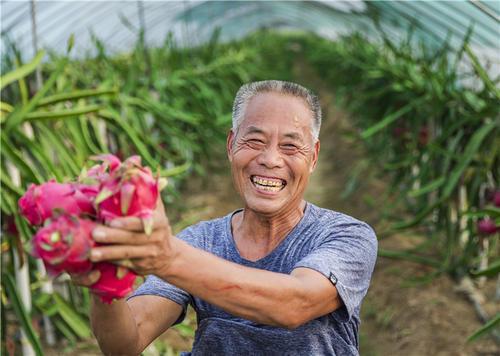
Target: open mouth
{"x": 267, "y": 183}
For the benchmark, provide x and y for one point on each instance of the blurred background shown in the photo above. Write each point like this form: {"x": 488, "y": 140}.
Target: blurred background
{"x": 410, "y": 143}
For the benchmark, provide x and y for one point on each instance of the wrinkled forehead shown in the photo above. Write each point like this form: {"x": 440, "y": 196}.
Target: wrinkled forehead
{"x": 271, "y": 112}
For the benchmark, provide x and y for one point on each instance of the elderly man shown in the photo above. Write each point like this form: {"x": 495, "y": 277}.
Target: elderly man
{"x": 280, "y": 276}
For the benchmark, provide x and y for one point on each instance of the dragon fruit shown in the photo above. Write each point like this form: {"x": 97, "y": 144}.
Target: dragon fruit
{"x": 496, "y": 198}
{"x": 114, "y": 281}
{"x": 130, "y": 190}
{"x": 486, "y": 227}
{"x": 106, "y": 191}
{"x": 40, "y": 201}
{"x": 99, "y": 172}
{"x": 64, "y": 245}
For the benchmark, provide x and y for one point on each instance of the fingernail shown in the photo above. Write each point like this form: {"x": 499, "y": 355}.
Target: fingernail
{"x": 98, "y": 234}
{"x": 115, "y": 223}
{"x": 95, "y": 255}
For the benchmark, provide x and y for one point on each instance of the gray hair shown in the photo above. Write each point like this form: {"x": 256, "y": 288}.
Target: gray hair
{"x": 248, "y": 91}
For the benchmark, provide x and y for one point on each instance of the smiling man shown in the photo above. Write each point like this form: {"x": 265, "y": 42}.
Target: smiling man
{"x": 279, "y": 277}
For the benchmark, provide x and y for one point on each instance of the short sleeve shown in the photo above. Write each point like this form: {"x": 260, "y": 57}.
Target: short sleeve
{"x": 159, "y": 287}
{"x": 347, "y": 258}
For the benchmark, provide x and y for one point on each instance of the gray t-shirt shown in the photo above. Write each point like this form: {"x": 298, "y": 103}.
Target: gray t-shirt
{"x": 336, "y": 245}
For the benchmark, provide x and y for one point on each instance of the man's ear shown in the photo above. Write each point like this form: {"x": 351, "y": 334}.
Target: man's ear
{"x": 315, "y": 156}
{"x": 229, "y": 145}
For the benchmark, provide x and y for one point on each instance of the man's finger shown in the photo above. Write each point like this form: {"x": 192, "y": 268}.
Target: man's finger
{"x": 133, "y": 223}
{"x": 106, "y": 235}
{"x": 120, "y": 252}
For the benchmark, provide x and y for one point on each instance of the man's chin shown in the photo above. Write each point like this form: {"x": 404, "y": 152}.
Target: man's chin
{"x": 264, "y": 206}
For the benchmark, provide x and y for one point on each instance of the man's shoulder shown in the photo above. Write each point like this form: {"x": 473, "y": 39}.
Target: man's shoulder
{"x": 334, "y": 221}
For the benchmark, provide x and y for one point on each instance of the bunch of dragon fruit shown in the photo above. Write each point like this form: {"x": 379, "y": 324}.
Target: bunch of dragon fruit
{"x": 70, "y": 211}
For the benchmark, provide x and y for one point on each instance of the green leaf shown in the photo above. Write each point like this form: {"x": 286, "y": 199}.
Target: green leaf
{"x": 72, "y": 318}
{"x": 71, "y": 43}
{"x": 490, "y": 211}
{"x": 134, "y": 136}
{"x": 452, "y": 181}
{"x": 430, "y": 187}
{"x": 390, "y": 118}
{"x": 10, "y": 152}
{"x": 23, "y": 316}
{"x": 174, "y": 171}
{"x": 491, "y": 325}
{"x": 55, "y": 115}
{"x": 491, "y": 271}
{"x": 75, "y": 95}
{"x": 481, "y": 72}
{"x": 408, "y": 256}
{"x": 6, "y": 107}
{"x": 65, "y": 330}
{"x": 18, "y": 115}
{"x": 22, "y": 71}
{"x": 469, "y": 153}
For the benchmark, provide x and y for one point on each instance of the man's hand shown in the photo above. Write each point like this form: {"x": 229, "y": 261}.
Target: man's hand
{"x": 130, "y": 247}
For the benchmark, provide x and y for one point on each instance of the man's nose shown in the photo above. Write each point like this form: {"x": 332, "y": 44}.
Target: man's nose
{"x": 270, "y": 157}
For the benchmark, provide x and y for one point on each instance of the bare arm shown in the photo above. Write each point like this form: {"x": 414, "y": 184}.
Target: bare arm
{"x": 265, "y": 297}
{"x": 127, "y": 328}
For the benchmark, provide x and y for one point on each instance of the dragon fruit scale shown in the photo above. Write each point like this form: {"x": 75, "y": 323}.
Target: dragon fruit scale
{"x": 130, "y": 190}
{"x": 64, "y": 245}
{"x": 114, "y": 281}
{"x": 41, "y": 201}
{"x": 99, "y": 172}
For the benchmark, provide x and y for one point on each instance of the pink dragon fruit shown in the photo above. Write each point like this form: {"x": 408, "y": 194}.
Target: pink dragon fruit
{"x": 496, "y": 198}
{"x": 114, "y": 282}
{"x": 40, "y": 201}
{"x": 64, "y": 245}
{"x": 486, "y": 227}
{"x": 130, "y": 190}
{"x": 106, "y": 191}
{"x": 100, "y": 172}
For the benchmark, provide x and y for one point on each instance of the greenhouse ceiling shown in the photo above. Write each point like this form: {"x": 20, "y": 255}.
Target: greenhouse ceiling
{"x": 117, "y": 23}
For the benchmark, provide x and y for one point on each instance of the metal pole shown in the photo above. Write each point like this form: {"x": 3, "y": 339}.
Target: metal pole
{"x": 34, "y": 38}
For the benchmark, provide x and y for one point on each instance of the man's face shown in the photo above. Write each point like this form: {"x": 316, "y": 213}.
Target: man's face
{"x": 273, "y": 153}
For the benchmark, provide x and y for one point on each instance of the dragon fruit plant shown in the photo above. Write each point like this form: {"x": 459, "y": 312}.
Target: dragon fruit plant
{"x": 70, "y": 211}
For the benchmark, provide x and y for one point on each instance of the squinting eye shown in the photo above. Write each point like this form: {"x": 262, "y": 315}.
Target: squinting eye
{"x": 254, "y": 140}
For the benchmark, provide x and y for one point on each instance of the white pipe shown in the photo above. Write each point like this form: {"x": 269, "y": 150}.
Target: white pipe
{"x": 22, "y": 272}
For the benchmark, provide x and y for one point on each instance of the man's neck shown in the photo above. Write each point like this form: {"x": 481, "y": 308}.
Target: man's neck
{"x": 256, "y": 235}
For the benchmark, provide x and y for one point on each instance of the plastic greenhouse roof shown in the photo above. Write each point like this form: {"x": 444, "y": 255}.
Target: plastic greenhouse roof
{"x": 192, "y": 22}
